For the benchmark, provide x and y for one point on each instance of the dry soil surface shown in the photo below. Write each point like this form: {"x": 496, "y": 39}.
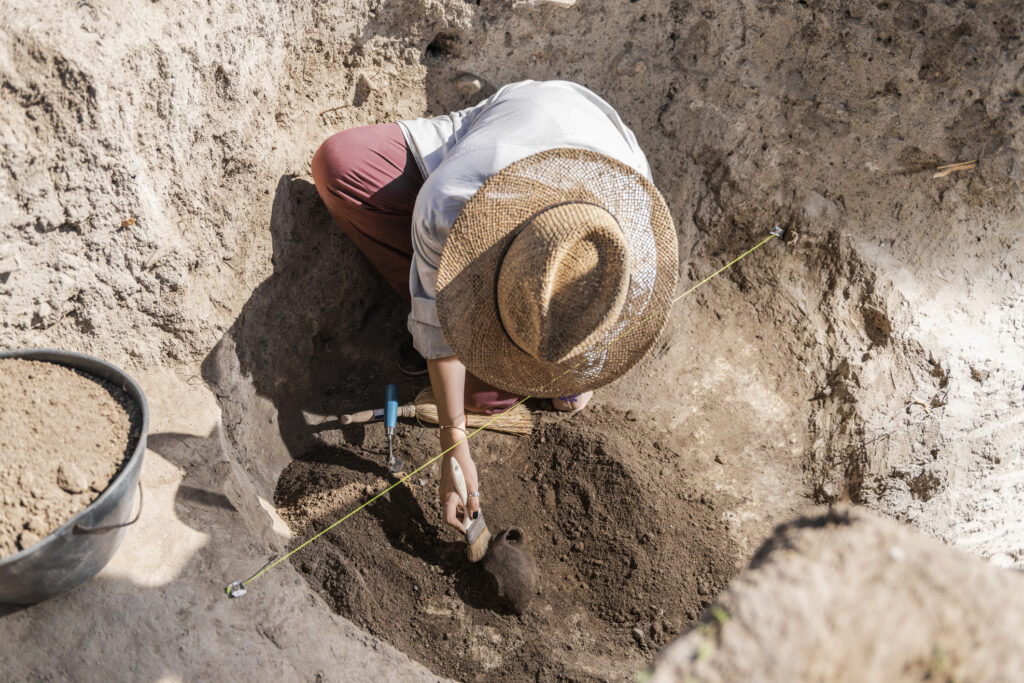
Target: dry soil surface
{"x": 157, "y": 211}
{"x": 63, "y": 437}
{"x": 846, "y": 596}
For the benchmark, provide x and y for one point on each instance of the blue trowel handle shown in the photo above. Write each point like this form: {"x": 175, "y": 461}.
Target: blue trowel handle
{"x": 391, "y": 406}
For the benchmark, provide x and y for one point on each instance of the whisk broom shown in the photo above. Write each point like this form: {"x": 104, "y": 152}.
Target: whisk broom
{"x": 517, "y": 421}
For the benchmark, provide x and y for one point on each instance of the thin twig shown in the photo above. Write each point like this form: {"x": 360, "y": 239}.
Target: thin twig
{"x": 340, "y": 106}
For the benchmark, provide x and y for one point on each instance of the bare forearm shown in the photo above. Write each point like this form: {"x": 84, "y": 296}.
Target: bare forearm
{"x": 448, "y": 379}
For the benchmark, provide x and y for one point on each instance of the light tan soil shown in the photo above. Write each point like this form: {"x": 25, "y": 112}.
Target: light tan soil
{"x": 63, "y": 437}
{"x": 157, "y": 211}
{"x": 845, "y": 596}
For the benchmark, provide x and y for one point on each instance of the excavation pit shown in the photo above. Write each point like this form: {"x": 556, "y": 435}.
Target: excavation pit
{"x": 627, "y": 557}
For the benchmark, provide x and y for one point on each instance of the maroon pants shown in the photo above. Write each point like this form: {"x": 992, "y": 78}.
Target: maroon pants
{"x": 369, "y": 179}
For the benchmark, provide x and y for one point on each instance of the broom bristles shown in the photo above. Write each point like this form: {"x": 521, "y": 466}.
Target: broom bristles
{"x": 517, "y": 421}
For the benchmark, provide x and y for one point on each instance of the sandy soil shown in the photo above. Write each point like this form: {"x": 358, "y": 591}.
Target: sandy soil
{"x": 157, "y": 211}
{"x": 63, "y": 437}
{"x": 843, "y": 595}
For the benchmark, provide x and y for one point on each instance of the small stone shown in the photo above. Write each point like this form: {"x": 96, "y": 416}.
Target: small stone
{"x": 578, "y": 546}
{"x": 27, "y": 539}
{"x": 631, "y": 415}
{"x": 979, "y": 375}
{"x": 468, "y": 84}
{"x": 368, "y": 490}
{"x": 71, "y": 479}
{"x": 367, "y": 82}
{"x": 638, "y": 635}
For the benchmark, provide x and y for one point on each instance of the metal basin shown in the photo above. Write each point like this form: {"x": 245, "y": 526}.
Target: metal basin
{"x": 80, "y": 548}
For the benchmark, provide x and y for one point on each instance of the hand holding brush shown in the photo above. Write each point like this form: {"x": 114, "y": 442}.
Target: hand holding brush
{"x": 472, "y": 524}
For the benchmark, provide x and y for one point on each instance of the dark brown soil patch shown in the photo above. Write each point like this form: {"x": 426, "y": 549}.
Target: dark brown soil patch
{"x": 63, "y": 436}
{"x": 626, "y": 560}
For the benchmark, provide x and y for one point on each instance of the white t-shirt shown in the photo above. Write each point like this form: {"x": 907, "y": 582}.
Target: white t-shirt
{"x": 459, "y": 151}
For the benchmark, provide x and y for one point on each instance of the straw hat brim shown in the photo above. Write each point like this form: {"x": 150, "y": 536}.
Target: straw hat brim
{"x": 489, "y": 221}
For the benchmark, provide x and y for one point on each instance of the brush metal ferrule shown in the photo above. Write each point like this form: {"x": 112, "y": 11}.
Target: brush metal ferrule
{"x": 475, "y": 528}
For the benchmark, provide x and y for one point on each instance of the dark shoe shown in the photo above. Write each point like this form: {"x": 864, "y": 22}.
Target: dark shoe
{"x": 409, "y": 359}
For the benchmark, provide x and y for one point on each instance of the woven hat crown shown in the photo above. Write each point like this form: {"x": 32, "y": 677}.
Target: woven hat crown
{"x": 534, "y": 267}
{"x": 563, "y": 281}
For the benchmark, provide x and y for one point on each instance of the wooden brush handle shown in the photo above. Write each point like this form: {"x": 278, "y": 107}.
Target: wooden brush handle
{"x": 460, "y": 483}
{"x": 362, "y": 416}
{"x": 407, "y": 410}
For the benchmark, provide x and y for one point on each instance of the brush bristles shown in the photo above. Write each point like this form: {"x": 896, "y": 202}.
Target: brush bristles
{"x": 517, "y": 421}
{"x": 476, "y": 550}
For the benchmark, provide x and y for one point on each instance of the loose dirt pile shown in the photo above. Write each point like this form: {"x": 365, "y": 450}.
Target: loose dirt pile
{"x": 63, "y": 437}
{"x": 847, "y": 596}
{"x": 628, "y": 553}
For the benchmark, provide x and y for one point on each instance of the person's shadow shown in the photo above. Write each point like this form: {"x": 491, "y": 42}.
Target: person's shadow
{"x": 318, "y": 338}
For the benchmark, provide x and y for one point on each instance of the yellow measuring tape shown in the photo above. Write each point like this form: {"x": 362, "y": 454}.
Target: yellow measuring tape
{"x": 237, "y": 589}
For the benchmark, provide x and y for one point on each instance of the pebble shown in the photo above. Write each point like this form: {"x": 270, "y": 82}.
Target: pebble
{"x": 71, "y": 479}
{"x": 367, "y": 82}
{"x": 27, "y": 539}
{"x": 469, "y": 84}
{"x": 638, "y": 635}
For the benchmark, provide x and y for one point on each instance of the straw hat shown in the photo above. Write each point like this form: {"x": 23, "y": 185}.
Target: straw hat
{"x": 557, "y": 275}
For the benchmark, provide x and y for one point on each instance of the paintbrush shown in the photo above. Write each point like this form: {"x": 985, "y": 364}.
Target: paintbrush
{"x": 477, "y": 535}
